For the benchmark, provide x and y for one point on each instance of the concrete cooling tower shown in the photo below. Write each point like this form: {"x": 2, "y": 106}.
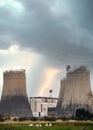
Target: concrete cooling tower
{"x": 14, "y": 101}
{"x": 75, "y": 92}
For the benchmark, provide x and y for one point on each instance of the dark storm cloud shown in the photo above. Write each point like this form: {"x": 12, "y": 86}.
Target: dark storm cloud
{"x": 82, "y": 11}
{"x": 51, "y": 27}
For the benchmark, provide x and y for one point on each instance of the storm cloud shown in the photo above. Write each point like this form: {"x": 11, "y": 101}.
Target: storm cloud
{"x": 48, "y": 27}
{"x": 60, "y": 30}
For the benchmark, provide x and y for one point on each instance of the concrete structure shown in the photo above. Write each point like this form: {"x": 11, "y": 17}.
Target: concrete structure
{"x": 14, "y": 101}
{"x": 75, "y": 92}
{"x": 40, "y": 105}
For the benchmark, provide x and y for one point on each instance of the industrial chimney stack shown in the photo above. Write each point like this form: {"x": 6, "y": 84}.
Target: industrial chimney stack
{"x": 14, "y": 100}
{"x": 75, "y": 92}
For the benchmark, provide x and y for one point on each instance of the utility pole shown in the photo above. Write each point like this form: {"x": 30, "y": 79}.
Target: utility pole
{"x": 50, "y": 91}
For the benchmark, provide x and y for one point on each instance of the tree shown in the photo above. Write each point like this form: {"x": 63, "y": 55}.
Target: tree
{"x": 82, "y": 114}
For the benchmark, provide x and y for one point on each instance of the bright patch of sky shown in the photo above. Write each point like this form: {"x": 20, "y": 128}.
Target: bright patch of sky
{"x": 14, "y": 6}
{"x": 15, "y": 59}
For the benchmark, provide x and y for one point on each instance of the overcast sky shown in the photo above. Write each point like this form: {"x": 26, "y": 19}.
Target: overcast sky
{"x": 43, "y": 36}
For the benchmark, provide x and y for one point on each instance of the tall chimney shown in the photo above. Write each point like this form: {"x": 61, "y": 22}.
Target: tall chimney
{"x": 14, "y": 100}
{"x": 75, "y": 92}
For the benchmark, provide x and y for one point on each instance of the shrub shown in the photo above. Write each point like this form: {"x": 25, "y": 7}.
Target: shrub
{"x": 82, "y": 114}
{"x": 1, "y": 117}
{"x": 33, "y": 118}
{"x": 22, "y": 118}
{"x": 46, "y": 118}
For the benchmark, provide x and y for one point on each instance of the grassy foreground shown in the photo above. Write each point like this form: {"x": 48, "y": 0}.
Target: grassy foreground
{"x": 56, "y": 125}
{"x": 22, "y": 127}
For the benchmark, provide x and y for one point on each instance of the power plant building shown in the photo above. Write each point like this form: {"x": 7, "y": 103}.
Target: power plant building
{"x": 14, "y": 100}
{"x": 75, "y": 92}
{"x": 41, "y": 105}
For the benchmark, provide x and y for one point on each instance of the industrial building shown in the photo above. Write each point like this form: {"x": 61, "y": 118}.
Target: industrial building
{"x": 75, "y": 92}
{"x": 40, "y": 106}
{"x": 14, "y": 101}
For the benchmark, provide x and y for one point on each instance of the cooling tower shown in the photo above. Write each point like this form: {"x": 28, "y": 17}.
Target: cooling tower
{"x": 14, "y": 101}
{"x": 75, "y": 92}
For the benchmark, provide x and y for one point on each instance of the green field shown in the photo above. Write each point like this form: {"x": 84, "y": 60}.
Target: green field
{"x": 56, "y": 125}
{"x": 22, "y": 127}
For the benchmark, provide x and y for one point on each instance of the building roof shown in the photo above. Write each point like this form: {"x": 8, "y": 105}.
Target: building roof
{"x": 44, "y": 98}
